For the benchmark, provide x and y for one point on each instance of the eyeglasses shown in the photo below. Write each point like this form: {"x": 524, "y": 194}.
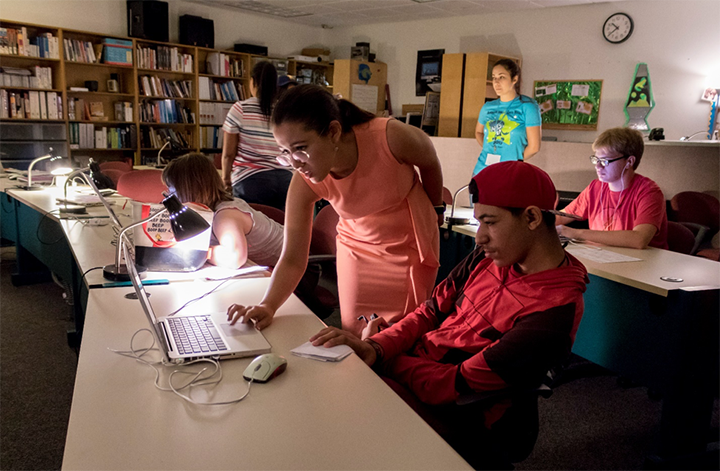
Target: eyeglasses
{"x": 295, "y": 159}
{"x": 604, "y": 162}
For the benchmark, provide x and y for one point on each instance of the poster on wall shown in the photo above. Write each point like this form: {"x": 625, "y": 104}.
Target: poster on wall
{"x": 569, "y": 104}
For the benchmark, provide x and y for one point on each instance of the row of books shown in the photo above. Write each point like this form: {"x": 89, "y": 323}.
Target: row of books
{"x": 214, "y": 113}
{"x": 18, "y": 77}
{"x": 123, "y": 111}
{"x": 164, "y": 58}
{"x": 211, "y": 137}
{"x": 87, "y": 136}
{"x": 152, "y": 85}
{"x": 30, "y": 105}
{"x": 81, "y": 51}
{"x": 209, "y": 89}
{"x": 165, "y": 111}
{"x": 155, "y": 138}
{"x": 17, "y": 42}
{"x": 218, "y": 63}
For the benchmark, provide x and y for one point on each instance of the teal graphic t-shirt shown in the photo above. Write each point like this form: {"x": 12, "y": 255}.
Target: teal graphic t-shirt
{"x": 505, "y": 126}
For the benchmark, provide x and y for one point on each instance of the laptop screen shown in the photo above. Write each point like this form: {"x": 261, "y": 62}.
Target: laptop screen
{"x": 145, "y": 302}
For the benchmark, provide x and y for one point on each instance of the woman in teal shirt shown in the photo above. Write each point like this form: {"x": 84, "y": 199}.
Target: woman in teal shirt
{"x": 508, "y": 128}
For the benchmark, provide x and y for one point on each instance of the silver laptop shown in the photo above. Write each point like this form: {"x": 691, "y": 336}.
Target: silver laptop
{"x": 185, "y": 337}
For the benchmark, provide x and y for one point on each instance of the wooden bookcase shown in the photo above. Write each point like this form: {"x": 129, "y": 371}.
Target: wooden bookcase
{"x": 31, "y": 130}
{"x": 367, "y": 92}
{"x": 148, "y": 113}
{"x": 466, "y": 87}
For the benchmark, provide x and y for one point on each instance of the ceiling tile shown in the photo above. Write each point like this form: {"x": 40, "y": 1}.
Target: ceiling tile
{"x": 338, "y": 12}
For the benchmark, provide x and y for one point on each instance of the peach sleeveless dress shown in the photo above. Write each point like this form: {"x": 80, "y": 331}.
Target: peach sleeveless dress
{"x": 388, "y": 241}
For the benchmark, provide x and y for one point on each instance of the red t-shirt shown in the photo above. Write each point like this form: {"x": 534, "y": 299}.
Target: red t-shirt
{"x": 642, "y": 203}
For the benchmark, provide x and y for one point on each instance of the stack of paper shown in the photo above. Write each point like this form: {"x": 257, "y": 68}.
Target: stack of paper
{"x": 307, "y": 350}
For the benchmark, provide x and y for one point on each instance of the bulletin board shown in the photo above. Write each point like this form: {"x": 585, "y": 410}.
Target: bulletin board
{"x": 569, "y": 104}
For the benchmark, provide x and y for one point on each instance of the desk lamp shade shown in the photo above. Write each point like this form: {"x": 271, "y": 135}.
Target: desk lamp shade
{"x": 184, "y": 222}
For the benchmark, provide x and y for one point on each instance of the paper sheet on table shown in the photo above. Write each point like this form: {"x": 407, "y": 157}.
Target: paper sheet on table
{"x": 596, "y": 254}
{"x": 336, "y": 353}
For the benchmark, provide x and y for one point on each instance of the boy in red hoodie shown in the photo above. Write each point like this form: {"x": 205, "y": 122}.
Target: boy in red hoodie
{"x": 503, "y": 317}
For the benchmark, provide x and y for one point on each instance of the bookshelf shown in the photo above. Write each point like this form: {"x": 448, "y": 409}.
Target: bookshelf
{"x": 466, "y": 87}
{"x": 120, "y": 98}
{"x": 320, "y": 73}
{"x": 100, "y": 114}
{"x": 31, "y": 93}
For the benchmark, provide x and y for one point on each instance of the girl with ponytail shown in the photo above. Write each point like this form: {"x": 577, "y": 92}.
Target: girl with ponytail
{"x": 249, "y": 165}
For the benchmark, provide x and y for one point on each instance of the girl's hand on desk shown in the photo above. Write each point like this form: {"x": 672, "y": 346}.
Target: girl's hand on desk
{"x": 261, "y": 316}
{"x": 332, "y": 336}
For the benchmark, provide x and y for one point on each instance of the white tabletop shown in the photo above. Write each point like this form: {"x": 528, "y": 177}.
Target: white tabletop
{"x": 697, "y": 273}
{"x": 314, "y": 416}
{"x": 92, "y": 245}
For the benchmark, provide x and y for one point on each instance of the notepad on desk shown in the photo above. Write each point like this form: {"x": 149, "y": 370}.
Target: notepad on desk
{"x": 308, "y": 350}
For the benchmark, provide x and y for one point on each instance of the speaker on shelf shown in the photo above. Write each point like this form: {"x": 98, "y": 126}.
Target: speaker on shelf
{"x": 148, "y": 19}
{"x": 197, "y": 31}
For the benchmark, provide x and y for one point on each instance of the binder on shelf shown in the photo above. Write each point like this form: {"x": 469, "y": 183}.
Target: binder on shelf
{"x": 34, "y": 105}
{"x": 52, "y": 101}
{"x": 43, "y": 105}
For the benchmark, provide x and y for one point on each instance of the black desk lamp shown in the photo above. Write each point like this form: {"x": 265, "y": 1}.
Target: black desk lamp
{"x": 184, "y": 222}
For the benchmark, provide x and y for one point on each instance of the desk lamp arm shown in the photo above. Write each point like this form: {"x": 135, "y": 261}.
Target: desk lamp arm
{"x": 49, "y": 155}
{"x": 125, "y": 229}
{"x": 91, "y": 183}
{"x": 452, "y": 220}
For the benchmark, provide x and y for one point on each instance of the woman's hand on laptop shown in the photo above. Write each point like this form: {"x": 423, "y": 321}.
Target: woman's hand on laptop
{"x": 261, "y": 316}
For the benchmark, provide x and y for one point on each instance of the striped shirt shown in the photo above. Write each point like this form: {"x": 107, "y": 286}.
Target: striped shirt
{"x": 257, "y": 148}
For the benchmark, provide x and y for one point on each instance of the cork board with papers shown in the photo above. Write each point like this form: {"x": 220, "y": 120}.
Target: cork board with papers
{"x": 569, "y": 104}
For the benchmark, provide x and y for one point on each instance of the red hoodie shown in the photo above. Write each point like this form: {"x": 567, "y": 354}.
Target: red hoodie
{"x": 485, "y": 328}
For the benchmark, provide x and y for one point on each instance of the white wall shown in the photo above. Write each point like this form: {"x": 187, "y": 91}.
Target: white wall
{"x": 677, "y": 39}
{"x": 110, "y": 16}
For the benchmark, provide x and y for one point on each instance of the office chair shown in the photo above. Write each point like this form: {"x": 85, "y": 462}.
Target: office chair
{"x": 217, "y": 160}
{"x": 680, "y": 238}
{"x": 277, "y": 215}
{"x": 114, "y": 174}
{"x": 115, "y": 164}
{"x": 447, "y": 196}
{"x": 145, "y": 186}
{"x": 318, "y": 287}
{"x": 700, "y": 213}
{"x": 509, "y": 440}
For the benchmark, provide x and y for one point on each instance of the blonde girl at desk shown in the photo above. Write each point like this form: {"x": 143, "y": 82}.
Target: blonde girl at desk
{"x": 508, "y": 128}
{"x": 388, "y": 238}
{"x": 239, "y": 232}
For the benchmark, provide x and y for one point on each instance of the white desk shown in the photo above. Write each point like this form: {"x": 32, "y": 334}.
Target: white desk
{"x": 314, "y": 416}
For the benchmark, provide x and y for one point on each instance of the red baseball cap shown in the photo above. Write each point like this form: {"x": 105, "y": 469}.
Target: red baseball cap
{"x": 514, "y": 184}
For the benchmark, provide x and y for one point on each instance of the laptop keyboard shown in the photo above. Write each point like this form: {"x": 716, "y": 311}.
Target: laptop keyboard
{"x": 195, "y": 335}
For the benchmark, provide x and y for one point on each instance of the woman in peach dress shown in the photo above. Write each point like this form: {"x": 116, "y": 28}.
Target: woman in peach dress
{"x": 388, "y": 238}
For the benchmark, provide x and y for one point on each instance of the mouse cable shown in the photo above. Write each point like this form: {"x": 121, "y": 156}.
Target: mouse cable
{"x": 198, "y": 379}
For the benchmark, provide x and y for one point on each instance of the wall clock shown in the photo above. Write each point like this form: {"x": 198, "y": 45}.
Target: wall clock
{"x": 618, "y": 28}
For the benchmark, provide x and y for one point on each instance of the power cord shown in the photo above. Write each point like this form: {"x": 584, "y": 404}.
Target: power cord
{"x": 213, "y": 378}
{"x": 198, "y": 298}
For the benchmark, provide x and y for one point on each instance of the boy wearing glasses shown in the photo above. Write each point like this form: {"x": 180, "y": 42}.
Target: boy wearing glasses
{"x": 623, "y": 208}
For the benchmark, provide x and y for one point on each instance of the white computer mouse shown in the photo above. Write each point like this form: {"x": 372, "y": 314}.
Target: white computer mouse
{"x": 265, "y": 367}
